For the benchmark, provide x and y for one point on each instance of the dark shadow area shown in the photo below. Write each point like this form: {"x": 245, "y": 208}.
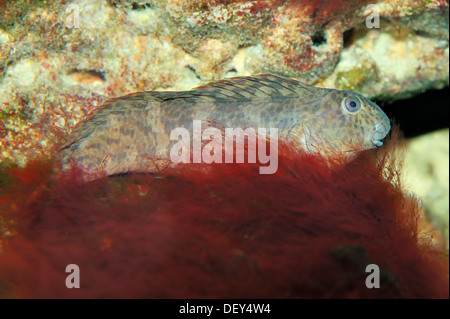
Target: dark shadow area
{"x": 349, "y": 37}
{"x": 421, "y": 114}
{"x": 318, "y": 38}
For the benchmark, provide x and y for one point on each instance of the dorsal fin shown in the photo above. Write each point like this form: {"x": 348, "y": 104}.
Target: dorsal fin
{"x": 249, "y": 88}
{"x": 264, "y": 85}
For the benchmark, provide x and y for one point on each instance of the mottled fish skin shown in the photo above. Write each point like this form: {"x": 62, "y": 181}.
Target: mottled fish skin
{"x": 132, "y": 133}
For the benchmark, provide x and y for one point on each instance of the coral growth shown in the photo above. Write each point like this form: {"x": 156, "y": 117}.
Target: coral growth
{"x": 219, "y": 231}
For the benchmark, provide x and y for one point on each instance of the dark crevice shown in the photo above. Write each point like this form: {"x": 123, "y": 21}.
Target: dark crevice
{"x": 421, "y": 114}
{"x": 349, "y": 37}
{"x": 133, "y": 6}
{"x": 318, "y": 38}
{"x": 137, "y": 6}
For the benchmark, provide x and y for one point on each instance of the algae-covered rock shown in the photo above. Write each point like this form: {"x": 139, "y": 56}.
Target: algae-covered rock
{"x": 294, "y": 38}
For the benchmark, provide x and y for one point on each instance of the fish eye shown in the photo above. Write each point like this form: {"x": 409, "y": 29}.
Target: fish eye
{"x": 351, "y": 104}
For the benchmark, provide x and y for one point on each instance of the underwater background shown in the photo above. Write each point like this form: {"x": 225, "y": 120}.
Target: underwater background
{"x": 59, "y": 60}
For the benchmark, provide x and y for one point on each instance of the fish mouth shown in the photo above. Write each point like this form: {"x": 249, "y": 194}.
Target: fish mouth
{"x": 377, "y": 143}
{"x": 381, "y": 130}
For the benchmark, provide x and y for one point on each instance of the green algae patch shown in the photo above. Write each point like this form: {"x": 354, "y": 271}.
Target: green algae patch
{"x": 353, "y": 79}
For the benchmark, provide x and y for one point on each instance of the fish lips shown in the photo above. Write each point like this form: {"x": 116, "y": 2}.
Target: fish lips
{"x": 381, "y": 130}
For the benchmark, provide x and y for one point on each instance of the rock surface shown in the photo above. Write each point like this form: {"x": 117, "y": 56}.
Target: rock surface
{"x": 426, "y": 173}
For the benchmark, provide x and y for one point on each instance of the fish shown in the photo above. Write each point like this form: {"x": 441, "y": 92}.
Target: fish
{"x": 133, "y": 133}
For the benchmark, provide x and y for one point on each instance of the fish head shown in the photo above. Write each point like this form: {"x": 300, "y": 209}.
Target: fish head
{"x": 346, "y": 121}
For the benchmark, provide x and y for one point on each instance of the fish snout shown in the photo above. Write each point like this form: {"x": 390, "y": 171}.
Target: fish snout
{"x": 381, "y": 130}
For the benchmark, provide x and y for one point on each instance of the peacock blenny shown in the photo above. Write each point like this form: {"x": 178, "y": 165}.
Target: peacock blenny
{"x": 132, "y": 133}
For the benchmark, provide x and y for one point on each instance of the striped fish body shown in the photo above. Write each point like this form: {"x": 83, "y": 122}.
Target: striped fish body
{"x": 132, "y": 133}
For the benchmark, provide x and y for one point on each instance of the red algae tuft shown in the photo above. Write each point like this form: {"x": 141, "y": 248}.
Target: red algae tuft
{"x": 219, "y": 231}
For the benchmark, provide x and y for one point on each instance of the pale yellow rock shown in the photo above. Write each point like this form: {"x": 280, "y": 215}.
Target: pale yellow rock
{"x": 426, "y": 173}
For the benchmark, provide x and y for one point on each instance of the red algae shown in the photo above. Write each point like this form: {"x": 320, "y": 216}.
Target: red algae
{"x": 219, "y": 231}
